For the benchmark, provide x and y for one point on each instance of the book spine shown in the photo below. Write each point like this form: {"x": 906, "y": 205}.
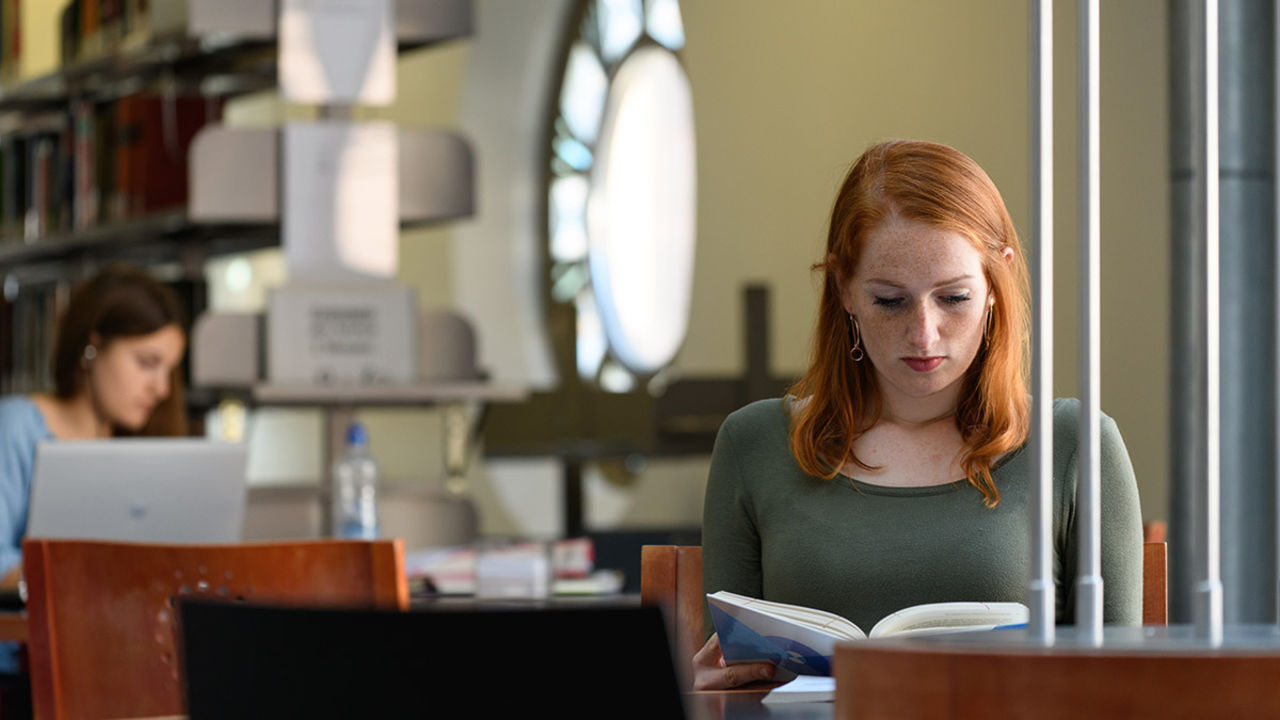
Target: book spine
{"x": 85, "y": 195}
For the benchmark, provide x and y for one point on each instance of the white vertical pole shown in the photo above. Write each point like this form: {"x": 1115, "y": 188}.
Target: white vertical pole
{"x": 1089, "y": 483}
{"x": 1041, "y": 590}
{"x": 1208, "y": 589}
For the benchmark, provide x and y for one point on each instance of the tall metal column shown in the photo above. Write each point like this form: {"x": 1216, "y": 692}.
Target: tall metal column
{"x": 1041, "y": 589}
{"x": 1248, "y": 271}
{"x": 1247, "y": 305}
{"x": 1089, "y": 484}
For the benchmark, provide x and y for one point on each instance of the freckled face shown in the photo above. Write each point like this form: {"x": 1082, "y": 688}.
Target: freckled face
{"x": 920, "y": 296}
{"x": 130, "y": 376}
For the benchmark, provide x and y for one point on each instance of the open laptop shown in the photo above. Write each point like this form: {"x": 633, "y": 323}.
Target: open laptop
{"x": 252, "y": 661}
{"x": 162, "y": 490}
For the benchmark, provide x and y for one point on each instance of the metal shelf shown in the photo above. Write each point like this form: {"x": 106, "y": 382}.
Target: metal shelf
{"x": 216, "y": 47}
{"x": 445, "y": 391}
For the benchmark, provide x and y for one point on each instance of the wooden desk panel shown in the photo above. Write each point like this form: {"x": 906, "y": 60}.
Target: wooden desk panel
{"x": 13, "y": 626}
{"x": 1167, "y": 676}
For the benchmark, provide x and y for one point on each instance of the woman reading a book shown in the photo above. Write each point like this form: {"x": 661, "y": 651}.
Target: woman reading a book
{"x": 115, "y": 372}
{"x": 895, "y": 473}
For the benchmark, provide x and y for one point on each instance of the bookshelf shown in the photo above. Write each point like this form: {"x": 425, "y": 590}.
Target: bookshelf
{"x": 180, "y": 50}
{"x": 213, "y": 50}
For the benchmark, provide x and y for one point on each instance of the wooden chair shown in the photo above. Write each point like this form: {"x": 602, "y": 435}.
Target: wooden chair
{"x": 671, "y": 577}
{"x": 102, "y": 619}
{"x": 1155, "y": 583}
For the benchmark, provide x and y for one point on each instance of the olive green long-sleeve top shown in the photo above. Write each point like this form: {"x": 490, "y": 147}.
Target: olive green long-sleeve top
{"x": 863, "y": 551}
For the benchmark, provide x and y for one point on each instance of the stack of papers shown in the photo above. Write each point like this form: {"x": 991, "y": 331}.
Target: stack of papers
{"x": 805, "y": 688}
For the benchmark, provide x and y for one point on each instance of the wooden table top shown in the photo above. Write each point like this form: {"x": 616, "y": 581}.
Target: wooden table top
{"x": 744, "y": 704}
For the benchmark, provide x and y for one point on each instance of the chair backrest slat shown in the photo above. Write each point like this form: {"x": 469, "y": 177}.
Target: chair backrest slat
{"x": 102, "y": 616}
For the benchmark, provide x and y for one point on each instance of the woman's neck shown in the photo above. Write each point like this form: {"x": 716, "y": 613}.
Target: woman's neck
{"x": 919, "y": 412}
{"x": 73, "y": 418}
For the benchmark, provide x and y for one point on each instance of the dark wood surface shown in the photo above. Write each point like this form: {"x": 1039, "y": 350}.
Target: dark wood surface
{"x": 1153, "y": 672}
{"x": 745, "y": 704}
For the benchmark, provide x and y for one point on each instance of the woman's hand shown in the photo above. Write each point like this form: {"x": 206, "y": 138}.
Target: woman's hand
{"x": 710, "y": 672}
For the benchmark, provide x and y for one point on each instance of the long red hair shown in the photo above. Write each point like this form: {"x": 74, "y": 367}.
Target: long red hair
{"x": 839, "y": 399}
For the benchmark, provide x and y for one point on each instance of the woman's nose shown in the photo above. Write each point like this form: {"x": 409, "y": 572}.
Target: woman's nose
{"x": 923, "y": 330}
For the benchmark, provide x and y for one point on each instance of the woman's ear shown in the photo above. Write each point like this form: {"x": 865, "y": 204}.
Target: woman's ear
{"x": 833, "y": 269}
{"x": 841, "y": 283}
{"x": 1007, "y": 253}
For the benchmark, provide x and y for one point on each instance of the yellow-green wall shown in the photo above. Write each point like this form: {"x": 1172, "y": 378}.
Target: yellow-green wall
{"x": 786, "y": 94}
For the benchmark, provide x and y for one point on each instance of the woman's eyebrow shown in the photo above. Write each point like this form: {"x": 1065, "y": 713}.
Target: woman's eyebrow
{"x": 944, "y": 283}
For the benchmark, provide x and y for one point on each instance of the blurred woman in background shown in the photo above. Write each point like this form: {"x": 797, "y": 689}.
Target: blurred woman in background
{"x": 116, "y": 372}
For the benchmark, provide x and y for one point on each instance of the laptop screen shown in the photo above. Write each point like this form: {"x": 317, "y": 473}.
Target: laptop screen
{"x": 248, "y": 661}
{"x": 165, "y": 490}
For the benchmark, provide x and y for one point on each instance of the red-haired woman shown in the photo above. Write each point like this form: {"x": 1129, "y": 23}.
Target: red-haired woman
{"x": 895, "y": 473}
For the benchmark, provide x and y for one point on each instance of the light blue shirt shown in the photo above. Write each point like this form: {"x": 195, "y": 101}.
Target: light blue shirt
{"x": 22, "y": 427}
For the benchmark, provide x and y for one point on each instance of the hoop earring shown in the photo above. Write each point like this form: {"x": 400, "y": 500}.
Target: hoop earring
{"x": 986, "y": 328}
{"x": 855, "y": 340}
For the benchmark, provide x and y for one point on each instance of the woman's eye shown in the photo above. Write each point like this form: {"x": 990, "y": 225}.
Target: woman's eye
{"x": 955, "y": 299}
{"x": 889, "y": 302}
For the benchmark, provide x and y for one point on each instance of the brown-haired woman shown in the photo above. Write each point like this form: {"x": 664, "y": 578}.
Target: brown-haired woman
{"x": 115, "y": 369}
{"x": 895, "y": 472}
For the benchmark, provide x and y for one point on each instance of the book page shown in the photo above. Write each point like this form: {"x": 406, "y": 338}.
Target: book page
{"x": 937, "y": 618}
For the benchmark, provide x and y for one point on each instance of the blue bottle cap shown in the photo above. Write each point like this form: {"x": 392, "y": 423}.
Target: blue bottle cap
{"x": 356, "y": 434}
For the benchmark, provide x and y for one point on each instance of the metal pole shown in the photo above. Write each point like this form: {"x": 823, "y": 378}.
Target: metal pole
{"x": 1041, "y": 589}
{"x": 1246, "y": 272}
{"x": 1207, "y": 597}
{"x": 1089, "y": 483}
{"x": 1275, "y": 165}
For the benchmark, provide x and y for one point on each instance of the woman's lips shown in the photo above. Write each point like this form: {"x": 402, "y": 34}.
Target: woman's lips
{"x": 922, "y": 364}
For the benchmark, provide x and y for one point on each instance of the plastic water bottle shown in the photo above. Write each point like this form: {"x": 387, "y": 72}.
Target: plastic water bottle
{"x": 355, "y": 489}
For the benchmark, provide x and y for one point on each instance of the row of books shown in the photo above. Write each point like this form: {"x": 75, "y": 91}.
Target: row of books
{"x": 28, "y": 322}
{"x": 99, "y": 162}
{"x": 87, "y": 29}
{"x": 94, "y": 27}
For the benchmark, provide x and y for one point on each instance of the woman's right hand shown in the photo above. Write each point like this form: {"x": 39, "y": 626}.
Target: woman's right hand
{"x": 711, "y": 673}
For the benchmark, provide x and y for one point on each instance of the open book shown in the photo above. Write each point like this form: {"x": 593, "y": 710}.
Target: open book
{"x": 801, "y": 640}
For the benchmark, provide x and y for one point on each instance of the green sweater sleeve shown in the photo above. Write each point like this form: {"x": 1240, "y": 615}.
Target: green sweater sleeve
{"x": 1121, "y": 529}
{"x": 731, "y": 543}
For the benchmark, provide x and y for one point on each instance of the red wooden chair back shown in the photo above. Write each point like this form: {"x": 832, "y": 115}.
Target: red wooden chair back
{"x": 102, "y": 620}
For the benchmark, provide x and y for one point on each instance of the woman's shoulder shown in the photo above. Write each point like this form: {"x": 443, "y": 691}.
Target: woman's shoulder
{"x": 17, "y": 409}
{"x": 1066, "y": 418}
{"x": 759, "y": 427}
{"x": 759, "y": 416}
{"x": 21, "y": 416}
{"x": 1066, "y": 435}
